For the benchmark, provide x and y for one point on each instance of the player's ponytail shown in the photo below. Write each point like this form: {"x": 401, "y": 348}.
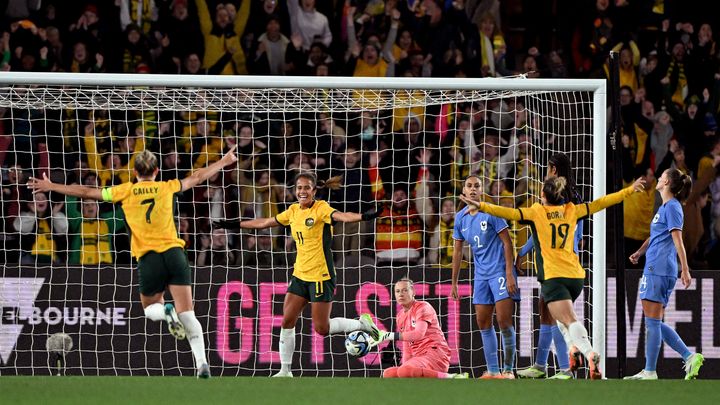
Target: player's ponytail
{"x": 554, "y": 190}
{"x": 146, "y": 163}
{"x": 563, "y": 168}
{"x": 333, "y": 183}
{"x": 680, "y": 184}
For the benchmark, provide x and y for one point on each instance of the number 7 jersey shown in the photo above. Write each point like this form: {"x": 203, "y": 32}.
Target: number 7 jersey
{"x": 149, "y": 208}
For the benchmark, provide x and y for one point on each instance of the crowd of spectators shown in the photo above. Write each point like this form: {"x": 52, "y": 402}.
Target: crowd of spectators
{"x": 411, "y": 160}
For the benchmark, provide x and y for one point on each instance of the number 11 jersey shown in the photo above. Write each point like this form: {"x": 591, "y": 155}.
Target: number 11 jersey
{"x": 149, "y": 208}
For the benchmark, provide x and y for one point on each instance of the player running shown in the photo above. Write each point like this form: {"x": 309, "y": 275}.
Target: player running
{"x": 558, "y": 165}
{"x": 313, "y": 278}
{"x": 162, "y": 263}
{"x": 558, "y": 270}
{"x": 494, "y": 280}
{"x": 663, "y": 248}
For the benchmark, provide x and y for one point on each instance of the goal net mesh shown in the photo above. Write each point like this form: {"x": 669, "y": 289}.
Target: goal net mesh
{"x": 66, "y": 265}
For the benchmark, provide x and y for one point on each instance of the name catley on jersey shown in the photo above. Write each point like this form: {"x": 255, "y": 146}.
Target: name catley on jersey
{"x": 149, "y": 208}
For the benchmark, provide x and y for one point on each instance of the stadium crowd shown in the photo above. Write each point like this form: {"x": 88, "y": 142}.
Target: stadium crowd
{"x": 412, "y": 160}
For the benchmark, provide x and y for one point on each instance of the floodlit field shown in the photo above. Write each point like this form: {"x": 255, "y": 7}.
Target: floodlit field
{"x": 245, "y": 390}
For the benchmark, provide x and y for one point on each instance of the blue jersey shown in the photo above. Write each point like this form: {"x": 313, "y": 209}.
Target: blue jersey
{"x": 481, "y": 232}
{"x": 661, "y": 256}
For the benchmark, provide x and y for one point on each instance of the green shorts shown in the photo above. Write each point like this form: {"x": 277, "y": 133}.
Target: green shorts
{"x": 313, "y": 291}
{"x": 158, "y": 270}
{"x": 558, "y": 289}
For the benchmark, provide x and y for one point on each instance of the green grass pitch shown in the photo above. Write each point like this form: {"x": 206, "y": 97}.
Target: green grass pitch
{"x": 263, "y": 390}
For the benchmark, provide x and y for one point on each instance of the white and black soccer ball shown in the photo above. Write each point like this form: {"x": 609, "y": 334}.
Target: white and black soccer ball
{"x": 357, "y": 343}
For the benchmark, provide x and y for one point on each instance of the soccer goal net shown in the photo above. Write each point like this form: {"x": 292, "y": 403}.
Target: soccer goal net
{"x": 406, "y": 144}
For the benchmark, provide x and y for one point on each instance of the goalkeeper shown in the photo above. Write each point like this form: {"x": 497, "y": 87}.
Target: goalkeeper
{"x": 313, "y": 278}
{"x": 162, "y": 262}
{"x": 425, "y": 352}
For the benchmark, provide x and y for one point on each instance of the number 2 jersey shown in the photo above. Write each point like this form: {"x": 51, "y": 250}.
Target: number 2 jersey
{"x": 311, "y": 229}
{"x": 149, "y": 208}
{"x": 481, "y": 231}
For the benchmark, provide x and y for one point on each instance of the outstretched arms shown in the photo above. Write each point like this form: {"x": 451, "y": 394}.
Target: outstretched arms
{"x": 492, "y": 209}
{"x": 45, "y": 185}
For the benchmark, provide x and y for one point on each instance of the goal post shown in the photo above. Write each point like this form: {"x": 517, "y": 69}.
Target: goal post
{"x": 553, "y": 115}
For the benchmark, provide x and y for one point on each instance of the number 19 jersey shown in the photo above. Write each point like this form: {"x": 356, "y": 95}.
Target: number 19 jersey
{"x": 149, "y": 208}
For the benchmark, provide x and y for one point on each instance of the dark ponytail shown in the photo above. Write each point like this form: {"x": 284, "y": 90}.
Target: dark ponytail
{"x": 680, "y": 184}
{"x": 563, "y": 168}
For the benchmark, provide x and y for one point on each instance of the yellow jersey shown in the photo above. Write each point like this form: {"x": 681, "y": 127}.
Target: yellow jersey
{"x": 554, "y": 230}
{"x": 149, "y": 214}
{"x": 311, "y": 229}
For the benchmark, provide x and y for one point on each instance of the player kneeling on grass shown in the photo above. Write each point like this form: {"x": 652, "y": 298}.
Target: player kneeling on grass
{"x": 313, "y": 278}
{"x": 663, "y": 247}
{"x": 560, "y": 274}
{"x": 494, "y": 279}
{"x": 162, "y": 262}
{"x": 425, "y": 352}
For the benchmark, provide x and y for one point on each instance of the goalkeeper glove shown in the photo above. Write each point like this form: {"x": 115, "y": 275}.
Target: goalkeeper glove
{"x": 226, "y": 224}
{"x": 371, "y": 214}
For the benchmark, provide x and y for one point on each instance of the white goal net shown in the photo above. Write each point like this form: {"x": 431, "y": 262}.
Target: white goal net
{"x": 405, "y": 143}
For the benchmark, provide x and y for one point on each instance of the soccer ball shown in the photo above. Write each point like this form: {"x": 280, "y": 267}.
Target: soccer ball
{"x": 357, "y": 343}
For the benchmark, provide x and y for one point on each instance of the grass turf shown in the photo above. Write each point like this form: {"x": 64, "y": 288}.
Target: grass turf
{"x": 262, "y": 390}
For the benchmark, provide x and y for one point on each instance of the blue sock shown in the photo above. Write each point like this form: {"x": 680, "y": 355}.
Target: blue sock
{"x": 653, "y": 341}
{"x": 674, "y": 340}
{"x": 544, "y": 341}
{"x": 508, "y": 340}
{"x": 490, "y": 347}
{"x": 561, "y": 349}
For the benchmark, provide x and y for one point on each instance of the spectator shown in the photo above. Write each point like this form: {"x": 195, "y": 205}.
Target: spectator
{"x": 399, "y": 231}
{"x": 40, "y": 226}
{"x": 215, "y": 250}
{"x": 91, "y": 232}
{"x": 308, "y": 23}
{"x": 354, "y": 196}
{"x": 271, "y": 48}
{"x": 183, "y": 31}
{"x": 638, "y": 213}
{"x": 141, "y": 13}
{"x": 441, "y": 242}
{"x": 222, "y": 39}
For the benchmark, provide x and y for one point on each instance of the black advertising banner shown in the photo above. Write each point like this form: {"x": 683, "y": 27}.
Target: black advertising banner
{"x": 241, "y": 312}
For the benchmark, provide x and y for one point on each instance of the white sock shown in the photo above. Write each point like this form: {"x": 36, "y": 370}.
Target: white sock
{"x": 287, "y": 348}
{"x": 345, "y": 325}
{"x": 155, "y": 312}
{"x": 579, "y": 337}
{"x": 194, "y": 334}
{"x": 565, "y": 333}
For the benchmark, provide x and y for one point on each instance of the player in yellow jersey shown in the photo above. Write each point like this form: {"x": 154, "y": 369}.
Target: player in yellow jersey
{"x": 149, "y": 207}
{"x": 559, "y": 271}
{"x": 313, "y": 278}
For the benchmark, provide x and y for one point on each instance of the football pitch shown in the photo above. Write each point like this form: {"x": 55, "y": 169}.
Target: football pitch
{"x": 263, "y": 390}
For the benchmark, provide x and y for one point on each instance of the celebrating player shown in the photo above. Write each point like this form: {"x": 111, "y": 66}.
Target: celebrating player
{"x": 162, "y": 262}
{"x": 425, "y": 352}
{"x": 560, "y": 274}
{"x": 494, "y": 279}
{"x": 313, "y": 278}
{"x": 558, "y": 165}
{"x": 663, "y": 248}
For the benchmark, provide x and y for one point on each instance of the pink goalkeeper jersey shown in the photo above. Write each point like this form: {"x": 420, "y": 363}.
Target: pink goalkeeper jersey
{"x": 434, "y": 340}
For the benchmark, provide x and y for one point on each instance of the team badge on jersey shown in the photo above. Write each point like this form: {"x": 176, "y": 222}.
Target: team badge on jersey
{"x": 412, "y": 322}
{"x": 656, "y": 218}
{"x": 483, "y": 226}
{"x": 309, "y": 222}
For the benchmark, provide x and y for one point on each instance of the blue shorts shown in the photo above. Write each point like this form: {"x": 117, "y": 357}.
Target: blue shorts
{"x": 657, "y": 288}
{"x": 488, "y": 292}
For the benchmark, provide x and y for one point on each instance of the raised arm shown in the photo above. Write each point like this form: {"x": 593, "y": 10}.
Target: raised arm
{"x": 257, "y": 223}
{"x": 205, "y": 173}
{"x": 44, "y": 185}
{"x": 610, "y": 199}
{"x": 495, "y": 210}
